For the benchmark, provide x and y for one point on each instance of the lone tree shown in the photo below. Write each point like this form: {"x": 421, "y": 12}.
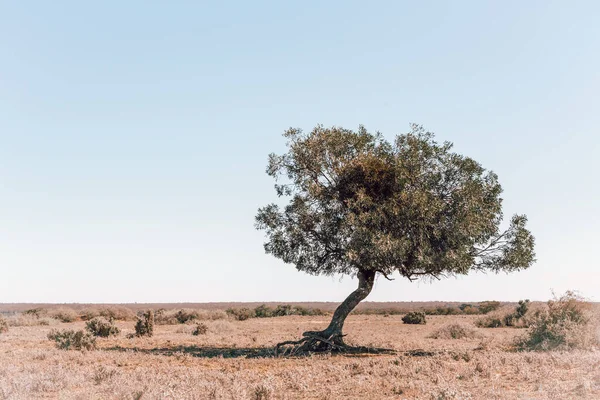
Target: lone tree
{"x": 360, "y": 205}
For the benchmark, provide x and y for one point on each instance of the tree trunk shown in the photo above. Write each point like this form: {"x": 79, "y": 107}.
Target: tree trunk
{"x": 333, "y": 332}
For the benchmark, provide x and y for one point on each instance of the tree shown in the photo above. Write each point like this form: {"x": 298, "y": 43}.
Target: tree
{"x": 360, "y": 205}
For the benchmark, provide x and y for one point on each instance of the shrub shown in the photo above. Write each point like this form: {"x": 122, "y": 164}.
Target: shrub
{"x": 263, "y": 311}
{"x": 454, "y": 331}
{"x": 117, "y": 313}
{"x": 102, "y": 327}
{"x": 490, "y": 321}
{"x": 144, "y": 325}
{"x": 88, "y": 313}
{"x": 200, "y": 329}
{"x": 72, "y": 340}
{"x": 186, "y": 315}
{"x": 241, "y": 314}
{"x": 65, "y": 315}
{"x": 34, "y": 312}
{"x": 261, "y": 392}
{"x": 283, "y": 310}
{"x": 564, "y": 325}
{"x": 417, "y": 318}
{"x": 488, "y": 306}
{"x": 3, "y": 325}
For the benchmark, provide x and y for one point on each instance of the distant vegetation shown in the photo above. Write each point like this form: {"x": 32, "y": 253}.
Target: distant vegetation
{"x": 516, "y": 319}
{"x": 483, "y": 307}
{"x": 263, "y": 311}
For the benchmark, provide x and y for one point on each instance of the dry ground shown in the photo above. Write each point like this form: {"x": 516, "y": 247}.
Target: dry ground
{"x": 219, "y": 365}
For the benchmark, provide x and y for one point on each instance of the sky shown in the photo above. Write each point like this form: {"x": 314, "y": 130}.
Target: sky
{"x": 134, "y": 136}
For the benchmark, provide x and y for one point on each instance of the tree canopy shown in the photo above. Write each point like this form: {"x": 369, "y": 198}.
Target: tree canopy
{"x": 358, "y": 203}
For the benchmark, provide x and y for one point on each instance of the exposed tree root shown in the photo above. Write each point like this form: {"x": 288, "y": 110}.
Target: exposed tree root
{"x": 321, "y": 342}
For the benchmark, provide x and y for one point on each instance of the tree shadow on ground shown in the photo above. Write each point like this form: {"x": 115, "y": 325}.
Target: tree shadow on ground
{"x": 238, "y": 352}
{"x": 203, "y": 351}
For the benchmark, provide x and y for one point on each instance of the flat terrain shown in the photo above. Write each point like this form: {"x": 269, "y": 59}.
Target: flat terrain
{"x": 174, "y": 364}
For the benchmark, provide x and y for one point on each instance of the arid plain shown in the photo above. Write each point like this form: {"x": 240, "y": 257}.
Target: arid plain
{"x": 235, "y": 360}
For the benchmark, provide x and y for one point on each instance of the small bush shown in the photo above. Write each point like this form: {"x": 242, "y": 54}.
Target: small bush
{"x": 88, "y": 313}
{"x": 117, "y": 313}
{"x": 263, "y": 311}
{"x": 490, "y": 321}
{"x": 65, "y": 315}
{"x": 186, "y": 315}
{"x": 3, "y": 325}
{"x": 261, "y": 392}
{"x": 102, "y": 327}
{"x": 72, "y": 340}
{"x": 34, "y": 312}
{"x": 454, "y": 331}
{"x": 144, "y": 325}
{"x": 564, "y": 325}
{"x": 416, "y": 318}
{"x": 241, "y": 314}
{"x": 283, "y": 310}
{"x": 200, "y": 329}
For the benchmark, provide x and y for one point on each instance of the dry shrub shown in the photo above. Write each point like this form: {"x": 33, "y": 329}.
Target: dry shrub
{"x": 454, "y": 331}
{"x": 415, "y": 318}
{"x": 65, "y": 315}
{"x": 200, "y": 329}
{"x": 241, "y": 314}
{"x": 262, "y": 392}
{"x": 102, "y": 327}
{"x": 144, "y": 325}
{"x": 103, "y": 374}
{"x": 567, "y": 323}
{"x": 3, "y": 325}
{"x": 72, "y": 340}
{"x": 35, "y": 312}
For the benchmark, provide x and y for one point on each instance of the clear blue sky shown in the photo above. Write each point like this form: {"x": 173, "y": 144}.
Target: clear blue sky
{"x": 134, "y": 136}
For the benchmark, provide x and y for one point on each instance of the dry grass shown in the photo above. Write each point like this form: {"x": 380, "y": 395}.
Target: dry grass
{"x": 455, "y": 331}
{"x": 174, "y": 364}
{"x": 30, "y": 320}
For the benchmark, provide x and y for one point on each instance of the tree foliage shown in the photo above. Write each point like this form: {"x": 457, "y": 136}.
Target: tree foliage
{"x": 357, "y": 202}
